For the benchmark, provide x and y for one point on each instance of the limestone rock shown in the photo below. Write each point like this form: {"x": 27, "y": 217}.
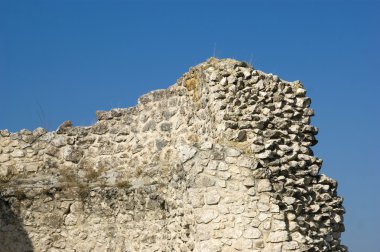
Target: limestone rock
{"x": 186, "y": 152}
{"x": 206, "y": 215}
{"x": 252, "y": 233}
{"x": 278, "y": 236}
{"x": 264, "y": 185}
{"x": 212, "y": 198}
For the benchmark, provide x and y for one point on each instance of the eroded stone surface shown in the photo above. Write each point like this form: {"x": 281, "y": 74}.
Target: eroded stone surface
{"x": 220, "y": 161}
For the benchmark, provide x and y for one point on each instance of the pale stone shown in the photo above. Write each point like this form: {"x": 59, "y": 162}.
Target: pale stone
{"x": 236, "y": 209}
{"x": 231, "y": 79}
{"x": 222, "y": 183}
{"x": 252, "y": 233}
{"x": 275, "y": 209}
{"x": 249, "y": 182}
{"x": 289, "y": 200}
{"x": 212, "y": 198}
{"x": 224, "y": 175}
{"x": 278, "y": 236}
{"x": 212, "y": 165}
{"x": 263, "y": 207}
{"x": 300, "y": 92}
{"x": 196, "y": 199}
{"x": 242, "y": 244}
{"x": 4, "y": 158}
{"x": 18, "y": 153}
{"x": 266, "y": 225}
{"x": 31, "y": 167}
{"x": 278, "y": 225}
{"x": 251, "y": 191}
{"x": 210, "y": 246}
{"x": 315, "y": 208}
{"x": 206, "y": 146}
{"x": 291, "y": 245}
{"x": 235, "y": 169}
{"x": 230, "y": 152}
{"x": 247, "y": 73}
{"x": 214, "y": 76}
{"x": 293, "y": 226}
{"x": 247, "y": 162}
{"x": 71, "y": 220}
{"x": 264, "y": 185}
{"x": 59, "y": 141}
{"x": 231, "y": 160}
{"x": 265, "y": 154}
{"x": 263, "y": 216}
{"x": 206, "y": 215}
{"x": 203, "y": 234}
{"x": 223, "y": 81}
{"x": 298, "y": 237}
{"x": 233, "y": 233}
{"x": 4, "y": 171}
{"x": 222, "y": 166}
{"x": 273, "y": 248}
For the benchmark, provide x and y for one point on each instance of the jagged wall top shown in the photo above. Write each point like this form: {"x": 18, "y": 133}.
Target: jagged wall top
{"x": 219, "y": 161}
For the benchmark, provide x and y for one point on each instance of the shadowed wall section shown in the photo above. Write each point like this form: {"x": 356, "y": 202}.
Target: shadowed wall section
{"x": 13, "y": 236}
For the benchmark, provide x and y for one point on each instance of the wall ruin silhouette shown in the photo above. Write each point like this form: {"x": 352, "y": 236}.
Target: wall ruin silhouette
{"x": 220, "y": 161}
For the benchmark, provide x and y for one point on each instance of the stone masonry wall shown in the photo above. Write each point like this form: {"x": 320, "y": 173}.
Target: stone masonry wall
{"x": 220, "y": 161}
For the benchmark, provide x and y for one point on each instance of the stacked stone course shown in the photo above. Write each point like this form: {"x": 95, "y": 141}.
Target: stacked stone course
{"x": 220, "y": 161}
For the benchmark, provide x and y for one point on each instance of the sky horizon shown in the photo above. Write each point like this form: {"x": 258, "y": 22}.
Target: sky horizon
{"x": 63, "y": 60}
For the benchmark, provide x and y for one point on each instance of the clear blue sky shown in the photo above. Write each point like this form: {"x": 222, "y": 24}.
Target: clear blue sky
{"x": 63, "y": 60}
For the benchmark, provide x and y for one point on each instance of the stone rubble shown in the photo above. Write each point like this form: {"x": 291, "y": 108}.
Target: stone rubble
{"x": 220, "y": 161}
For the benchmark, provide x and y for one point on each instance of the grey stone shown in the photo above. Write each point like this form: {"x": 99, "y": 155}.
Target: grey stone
{"x": 160, "y": 144}
{"x": 72, "y": 154}
{"x": 186, "y": 152}
{"x": 149, "y": 126}
{"x": 166, "y": 126}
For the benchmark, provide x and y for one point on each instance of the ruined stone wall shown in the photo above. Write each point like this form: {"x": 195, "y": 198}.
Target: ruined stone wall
{"x": 220, "y": 161}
